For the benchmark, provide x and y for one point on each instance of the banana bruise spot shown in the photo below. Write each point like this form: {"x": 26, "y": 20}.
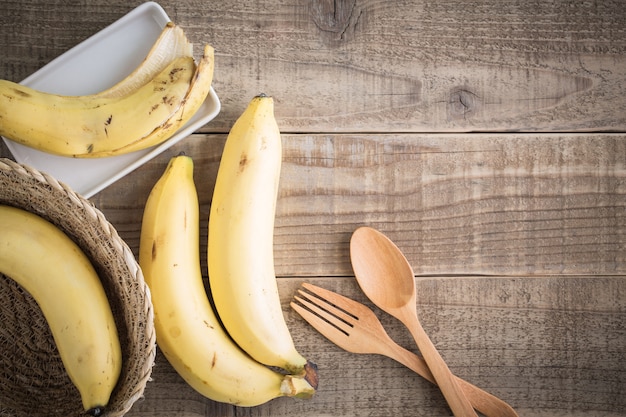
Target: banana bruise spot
{"x": 170, "y": 100}
{"x": 243, "y": 162}
{"x": 20, "y": 93}
{"x": 107, "y": 123}
{"x": 173, "y": 73}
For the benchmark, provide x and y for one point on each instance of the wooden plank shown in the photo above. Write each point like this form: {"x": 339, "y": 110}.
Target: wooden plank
{"x": 495, "y": 204}
{"x": 549, "y": 346}
{"x": 377, "y": 65}
{"x": 543, "y": 215}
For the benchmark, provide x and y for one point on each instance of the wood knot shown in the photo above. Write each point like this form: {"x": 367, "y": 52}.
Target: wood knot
{"x": 462, "y": 104}
{"x": 334, "y": 18}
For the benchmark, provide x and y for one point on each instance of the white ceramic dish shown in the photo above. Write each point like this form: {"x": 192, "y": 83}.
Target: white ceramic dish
{"x": 92, "y": 66}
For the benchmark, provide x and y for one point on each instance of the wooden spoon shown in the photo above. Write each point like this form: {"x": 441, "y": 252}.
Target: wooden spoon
{"x": 386, "y": 277}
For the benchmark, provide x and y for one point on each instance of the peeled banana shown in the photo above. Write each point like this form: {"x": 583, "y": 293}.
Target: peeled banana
{"x": 240, "y": 239}
{"x": 196, "y": 94}
{"x": 144, "y": 109}
{"x": 170, "y": 45}
{"x": 188, "y": 332}
{"x": 58, "y": 275}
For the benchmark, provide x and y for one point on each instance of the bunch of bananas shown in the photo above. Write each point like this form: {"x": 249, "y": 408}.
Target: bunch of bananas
{"x": 237, "y": 351}
{"x": 143, "y": 110}
{"x": 235, "y": 363}
{"x": 71, "y": 298}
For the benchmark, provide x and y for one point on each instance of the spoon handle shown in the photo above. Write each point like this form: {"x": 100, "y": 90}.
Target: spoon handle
{"x": 447, "y": 382}
{"x": 483, "y": 401}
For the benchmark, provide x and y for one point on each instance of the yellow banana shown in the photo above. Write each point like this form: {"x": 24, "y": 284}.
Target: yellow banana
{"x": 188, "y": 332}
{"x": 88, "y": 126}
{"x": 58, "y": 275}
{"x": 191, "y": 102}
{"x": 142, "y": 110}
{"x": 240, "y": 239}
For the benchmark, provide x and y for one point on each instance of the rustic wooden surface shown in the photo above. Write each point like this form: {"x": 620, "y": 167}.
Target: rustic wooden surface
{"x": 486, "y": 138}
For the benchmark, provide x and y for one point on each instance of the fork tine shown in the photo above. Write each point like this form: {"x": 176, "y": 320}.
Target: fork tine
{"x": 325, "y": 311}
{"x": 331, "y": 302}
{"x": 343, "y": 305}
{"x": 345, "y": 322}
{"x": 366, "y": 335}
{"x": 335, "y": 335}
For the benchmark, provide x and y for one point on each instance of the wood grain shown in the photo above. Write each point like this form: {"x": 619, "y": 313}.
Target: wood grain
{"x": 486, "y": 138}
{"x": 497, "y": 204}
{"x": 550, "y": 346}
{"x": 378, "y": 66}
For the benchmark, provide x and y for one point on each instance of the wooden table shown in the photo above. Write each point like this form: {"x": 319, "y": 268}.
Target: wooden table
{"x": 486, "y": 138}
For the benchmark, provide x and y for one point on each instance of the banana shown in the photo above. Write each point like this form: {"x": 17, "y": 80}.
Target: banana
{"x": 87, "y": 126}
{"x": 240, "y": 239}
{"x": 191, "y": 102}
{"x": 188, "y": 332}
{"x": 143, "y": 110}
{"x": 58, "y": 275}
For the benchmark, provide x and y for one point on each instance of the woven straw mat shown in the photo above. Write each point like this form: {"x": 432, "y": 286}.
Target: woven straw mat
{"x": 33, "y": 381}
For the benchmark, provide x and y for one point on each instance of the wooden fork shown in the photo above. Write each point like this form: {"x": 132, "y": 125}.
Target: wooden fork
{"x": 355, "y": 328}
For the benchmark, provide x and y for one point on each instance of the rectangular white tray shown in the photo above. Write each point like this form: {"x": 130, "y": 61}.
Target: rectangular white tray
{"x": 92, "y": 66}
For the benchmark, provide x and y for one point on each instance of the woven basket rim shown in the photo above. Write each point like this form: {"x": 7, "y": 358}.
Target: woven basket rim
{"x": 26, "y": 187}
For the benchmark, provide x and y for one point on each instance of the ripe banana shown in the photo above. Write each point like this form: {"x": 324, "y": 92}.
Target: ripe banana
{"x": 188, "y": 332}
{"x": 191, "y": 102}
{"x": 58, "y": 275}
{"x": 88, "y": 126}
{"x": 144, "y": 109}
{"x": 240, "y": 239}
